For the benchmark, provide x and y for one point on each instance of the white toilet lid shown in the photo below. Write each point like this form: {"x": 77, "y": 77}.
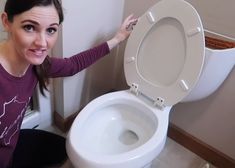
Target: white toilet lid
{"x": 164, "y": 54}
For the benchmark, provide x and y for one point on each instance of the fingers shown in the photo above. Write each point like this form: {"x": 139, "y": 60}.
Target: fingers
{"x": 130, "y": 22}
{"x": 130, "y": 26}
{"x": 126, "y": 28}
{"x": 130, "y": 17}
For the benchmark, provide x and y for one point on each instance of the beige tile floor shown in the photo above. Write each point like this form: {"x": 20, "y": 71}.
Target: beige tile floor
{"x": 172, "y": 156}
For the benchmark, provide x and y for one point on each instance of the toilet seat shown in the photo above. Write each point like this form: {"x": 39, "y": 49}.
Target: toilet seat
{"x": 164, "y": 54}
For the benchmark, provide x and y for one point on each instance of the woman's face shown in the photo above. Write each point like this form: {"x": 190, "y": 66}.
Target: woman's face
{"x": 33, "y": 33}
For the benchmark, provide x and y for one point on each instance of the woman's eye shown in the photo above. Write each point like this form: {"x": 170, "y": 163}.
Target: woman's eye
{"x": 28, "y": 28}
{"x": 51, "y": 31}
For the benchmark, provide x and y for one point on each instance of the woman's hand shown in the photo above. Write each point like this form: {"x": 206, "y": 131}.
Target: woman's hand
{"x": 123, "y": 32}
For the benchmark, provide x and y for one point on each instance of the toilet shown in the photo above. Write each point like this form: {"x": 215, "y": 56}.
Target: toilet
{"x": 163, "y": 61}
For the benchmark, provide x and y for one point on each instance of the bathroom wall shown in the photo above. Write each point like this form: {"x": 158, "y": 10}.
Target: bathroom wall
{"x": 217, "y": 15}
{"x": 2, "y": 33}
{"x": 87, "y": 23}
{"x": 211, "y": 120}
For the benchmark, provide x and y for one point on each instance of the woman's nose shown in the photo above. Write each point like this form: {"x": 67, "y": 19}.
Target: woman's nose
{"x": 41, "y": 40}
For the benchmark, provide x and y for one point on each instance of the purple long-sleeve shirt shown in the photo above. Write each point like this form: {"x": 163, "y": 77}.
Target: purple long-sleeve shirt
{"x": 16, "y": 92}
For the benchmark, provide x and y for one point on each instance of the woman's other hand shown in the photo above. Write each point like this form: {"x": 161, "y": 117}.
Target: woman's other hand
{"x": 124, "y": 31}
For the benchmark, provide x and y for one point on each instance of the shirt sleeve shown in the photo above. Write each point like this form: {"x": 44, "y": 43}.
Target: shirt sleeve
{"x": 62, "y": 67}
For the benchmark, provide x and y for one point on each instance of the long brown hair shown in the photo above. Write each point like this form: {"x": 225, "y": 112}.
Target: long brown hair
{"x": 16, "y": 7}
{"x": 41, "y": 72}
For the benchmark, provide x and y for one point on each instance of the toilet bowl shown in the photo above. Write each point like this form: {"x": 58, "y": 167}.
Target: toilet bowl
{"x": 163, "y": 61}
{"x": 117, "y": 130}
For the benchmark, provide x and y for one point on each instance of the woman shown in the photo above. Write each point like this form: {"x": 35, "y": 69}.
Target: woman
{"x": 32, "y": 28}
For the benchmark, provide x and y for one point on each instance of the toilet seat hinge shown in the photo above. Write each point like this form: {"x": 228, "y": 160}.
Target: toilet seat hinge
{"x": 134, "y": 88}
{"x": 160, "y": 102}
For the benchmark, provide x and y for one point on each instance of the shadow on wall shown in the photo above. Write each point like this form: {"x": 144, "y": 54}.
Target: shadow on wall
{"x": 99, "y": 80}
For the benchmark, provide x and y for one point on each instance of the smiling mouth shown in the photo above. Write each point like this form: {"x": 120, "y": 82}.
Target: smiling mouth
{"x": 38, "y": 52}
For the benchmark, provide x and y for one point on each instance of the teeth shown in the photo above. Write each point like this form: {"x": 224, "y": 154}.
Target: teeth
{"x": 38, "y": 51}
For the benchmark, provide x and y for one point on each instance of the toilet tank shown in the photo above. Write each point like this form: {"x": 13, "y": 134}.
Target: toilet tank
{"x": 219, "y": 61}
{"x": 216, "y": 16}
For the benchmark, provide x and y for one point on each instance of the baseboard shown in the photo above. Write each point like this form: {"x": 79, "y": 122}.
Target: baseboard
{"x": 200, "y": 148}
{"x": 63, "y": 124}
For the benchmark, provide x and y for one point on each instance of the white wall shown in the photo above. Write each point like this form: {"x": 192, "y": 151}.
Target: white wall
{"x": 210, "y": 120}
{"x": 87, "y": 23}
{"x": 3, "y": 35}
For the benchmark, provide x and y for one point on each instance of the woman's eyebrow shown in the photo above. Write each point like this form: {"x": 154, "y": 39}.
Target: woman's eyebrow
{"x": 31, "y": 21}
{"x": 54, "y": 24}
{"x": 36, "y": 23}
